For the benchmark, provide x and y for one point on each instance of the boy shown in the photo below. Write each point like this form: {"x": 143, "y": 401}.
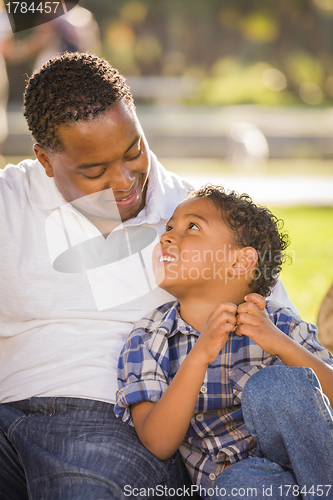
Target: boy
{"x": 182, "y": 388}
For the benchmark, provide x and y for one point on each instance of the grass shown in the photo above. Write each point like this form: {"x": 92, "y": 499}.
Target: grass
{"x": 309, "y": 276}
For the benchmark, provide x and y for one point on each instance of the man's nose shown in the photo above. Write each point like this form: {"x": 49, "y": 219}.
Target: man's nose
{"x": 119, "y": 178}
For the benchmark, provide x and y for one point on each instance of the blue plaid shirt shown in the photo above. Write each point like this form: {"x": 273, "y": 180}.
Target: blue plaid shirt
{"x": 151, "y": 357}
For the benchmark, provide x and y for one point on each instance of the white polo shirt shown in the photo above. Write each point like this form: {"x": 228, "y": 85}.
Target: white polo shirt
{"x": 66, "y": 306}
{"x": 69, "y": 297}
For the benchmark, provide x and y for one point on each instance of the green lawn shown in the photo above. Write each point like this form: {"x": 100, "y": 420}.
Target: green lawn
{"x": 309, "y": 276}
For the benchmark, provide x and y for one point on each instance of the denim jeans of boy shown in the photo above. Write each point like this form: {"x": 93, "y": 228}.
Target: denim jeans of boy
{"x": 75, "y": 449}
{"x": 292, "y": 422}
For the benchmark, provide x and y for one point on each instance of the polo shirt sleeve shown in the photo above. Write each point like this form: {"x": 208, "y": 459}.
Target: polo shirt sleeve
{"x": 142, "y": 371}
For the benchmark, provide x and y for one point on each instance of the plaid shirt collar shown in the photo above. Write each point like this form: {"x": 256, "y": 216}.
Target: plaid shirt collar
{"x": 172, "y": 323}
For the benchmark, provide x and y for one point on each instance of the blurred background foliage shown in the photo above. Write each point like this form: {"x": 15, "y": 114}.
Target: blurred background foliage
{"x": 238, "y": 51}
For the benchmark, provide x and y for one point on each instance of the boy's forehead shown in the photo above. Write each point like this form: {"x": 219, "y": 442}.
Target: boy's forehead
{"x": 202, "y": 207}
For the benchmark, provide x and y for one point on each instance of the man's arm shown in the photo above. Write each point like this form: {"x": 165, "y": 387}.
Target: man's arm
{"x": 253, "y": 322}
{"x": 162, "y": 426}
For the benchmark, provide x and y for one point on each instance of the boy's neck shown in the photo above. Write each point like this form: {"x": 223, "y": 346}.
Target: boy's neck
{"x": 195, "y": 310}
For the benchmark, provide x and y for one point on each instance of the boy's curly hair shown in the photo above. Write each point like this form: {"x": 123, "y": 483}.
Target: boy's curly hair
{"x": 70, "y": 87}
{"x": 252, "y": 226}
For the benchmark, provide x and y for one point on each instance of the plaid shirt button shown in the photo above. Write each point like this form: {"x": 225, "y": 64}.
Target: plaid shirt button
{"x": 199, "y": 417}
{"x": 212, "y": 476}
{"x": 203, "y": 389}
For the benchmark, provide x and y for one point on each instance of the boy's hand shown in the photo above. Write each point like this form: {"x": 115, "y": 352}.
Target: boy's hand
{"x": 253, "y": 322}
{"x": 215, "y": 332}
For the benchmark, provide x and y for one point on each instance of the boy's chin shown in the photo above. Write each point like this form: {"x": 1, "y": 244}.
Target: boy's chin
{"x": 172, "y": 290}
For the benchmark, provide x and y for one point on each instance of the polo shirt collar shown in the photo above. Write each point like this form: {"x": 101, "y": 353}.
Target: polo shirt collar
{"x": 43, "y": 192}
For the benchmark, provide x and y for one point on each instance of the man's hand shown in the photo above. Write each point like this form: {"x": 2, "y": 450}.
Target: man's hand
{"x": 215, "y": 332}
{"x": 253, "y": 322}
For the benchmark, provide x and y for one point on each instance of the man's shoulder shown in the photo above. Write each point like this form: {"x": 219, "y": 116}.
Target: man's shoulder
{"x": 19, "y": 171}
{"x": 167, "y": 179}
{"x": 15, "y": 182}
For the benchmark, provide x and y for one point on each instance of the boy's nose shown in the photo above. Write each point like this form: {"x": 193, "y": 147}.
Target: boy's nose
{"x": 167, "y": 237}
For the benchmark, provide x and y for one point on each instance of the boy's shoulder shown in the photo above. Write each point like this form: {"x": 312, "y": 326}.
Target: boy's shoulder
{"x": 161, "y": 318}
{"x": 283, "y": 317}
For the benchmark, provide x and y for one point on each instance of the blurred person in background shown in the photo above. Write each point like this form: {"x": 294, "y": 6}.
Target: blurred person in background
{"x": 5, "y": 38}
{"x": 77, "y": 30}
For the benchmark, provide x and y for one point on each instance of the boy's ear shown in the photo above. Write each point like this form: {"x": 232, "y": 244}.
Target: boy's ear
{"x": 44, "y": 159}
{"x": 245, "y": 260}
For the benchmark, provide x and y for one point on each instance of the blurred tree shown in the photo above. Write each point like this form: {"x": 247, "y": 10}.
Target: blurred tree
{"x": 192, "y": 37}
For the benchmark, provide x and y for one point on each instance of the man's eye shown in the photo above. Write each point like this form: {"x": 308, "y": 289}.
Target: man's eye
{"x": 167, "y": 228}
{"x": 135, "y": 157}
{"x": 95, "y": 176}
{"x": 193, "y": 226}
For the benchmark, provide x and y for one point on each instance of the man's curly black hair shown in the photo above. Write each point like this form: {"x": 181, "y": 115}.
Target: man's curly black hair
{"x": 68, "y": 88}
{"x": 252, "y": 226}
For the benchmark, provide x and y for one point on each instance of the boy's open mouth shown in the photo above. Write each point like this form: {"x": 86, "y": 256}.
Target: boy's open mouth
{"x": 166, "y": 258}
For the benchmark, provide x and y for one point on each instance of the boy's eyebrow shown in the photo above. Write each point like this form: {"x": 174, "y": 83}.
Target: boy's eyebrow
{"x": 198, "y": 217}
{"x": 191, "y": 215}
{"x": 90, "y": 165}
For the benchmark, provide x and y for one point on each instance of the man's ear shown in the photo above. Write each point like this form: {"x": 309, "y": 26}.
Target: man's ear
{"x": 44, "y": 159}
{"x": 245, "y": 260}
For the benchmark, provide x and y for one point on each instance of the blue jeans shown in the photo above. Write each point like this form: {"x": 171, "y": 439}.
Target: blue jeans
{"x": 292, "y": 422}
{"x": 75, "y": 449}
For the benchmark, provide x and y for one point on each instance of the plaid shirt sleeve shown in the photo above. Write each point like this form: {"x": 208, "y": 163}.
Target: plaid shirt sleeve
{"x": 142, "y": 370}
{"x": 301, "y": 332}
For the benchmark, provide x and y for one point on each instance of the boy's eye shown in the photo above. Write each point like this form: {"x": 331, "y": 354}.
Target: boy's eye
{"x": 167, "y": 228}
{"x": 192, "y": 225}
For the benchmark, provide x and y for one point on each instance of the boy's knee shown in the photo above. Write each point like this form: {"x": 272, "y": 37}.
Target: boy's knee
{"x": 276, "y": 385}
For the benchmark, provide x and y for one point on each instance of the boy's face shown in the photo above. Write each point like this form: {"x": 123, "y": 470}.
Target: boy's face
{"x": 104, "y": 164}
{"x": 196, "y": 251}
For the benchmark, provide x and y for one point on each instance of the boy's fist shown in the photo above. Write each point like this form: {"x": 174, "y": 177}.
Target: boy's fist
{"x": 253, "y": 322}
{"x": 216, "y": 329}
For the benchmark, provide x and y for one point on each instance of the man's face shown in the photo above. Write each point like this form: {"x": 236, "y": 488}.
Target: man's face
{"x": 104, "y": 165}
{"x": 196, "y": 251}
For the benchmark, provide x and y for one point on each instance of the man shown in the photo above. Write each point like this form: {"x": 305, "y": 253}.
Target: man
{"x": 76, "y": 275}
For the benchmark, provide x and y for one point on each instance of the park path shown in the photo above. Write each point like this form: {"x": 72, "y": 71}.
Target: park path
{"x": 275, "y": 189}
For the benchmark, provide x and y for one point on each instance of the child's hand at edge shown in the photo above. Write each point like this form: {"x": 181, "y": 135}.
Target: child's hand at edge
{"x": 253, "y": 321}
{"x": 215, "y": 332}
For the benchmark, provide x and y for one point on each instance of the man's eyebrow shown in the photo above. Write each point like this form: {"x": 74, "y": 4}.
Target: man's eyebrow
{"x": 91, "y": 165}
